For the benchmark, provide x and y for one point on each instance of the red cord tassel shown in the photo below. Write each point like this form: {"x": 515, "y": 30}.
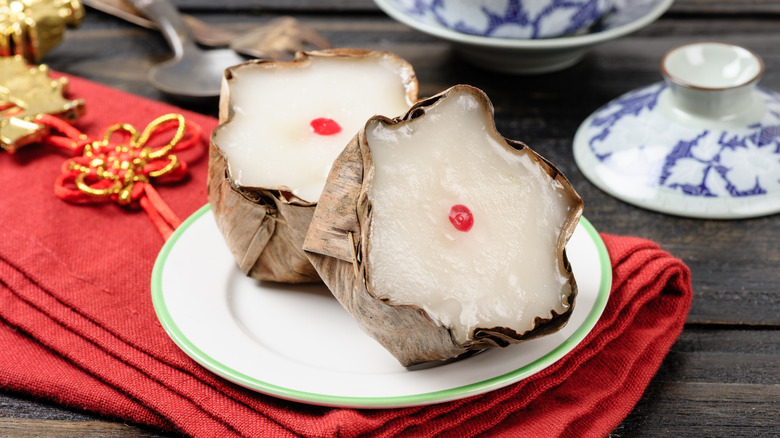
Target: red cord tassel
{"x": 122, "y": 172}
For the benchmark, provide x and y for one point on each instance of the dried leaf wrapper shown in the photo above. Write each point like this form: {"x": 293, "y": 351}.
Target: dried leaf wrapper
{"x": 337, "y": 244}
{"x": 264, "y": 226}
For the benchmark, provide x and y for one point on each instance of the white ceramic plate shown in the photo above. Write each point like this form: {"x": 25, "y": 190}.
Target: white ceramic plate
{"x": 531, "y": 56}
{"x": 298, "y": 343}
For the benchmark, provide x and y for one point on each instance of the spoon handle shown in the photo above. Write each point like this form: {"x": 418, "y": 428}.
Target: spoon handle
{"x": 173, "y": 27}
{"x": 203, "y": 33}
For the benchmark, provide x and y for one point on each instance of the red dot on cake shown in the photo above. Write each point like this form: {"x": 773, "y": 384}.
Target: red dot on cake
{"x": 325, "y": 126}
{"x": 461, "y": 217}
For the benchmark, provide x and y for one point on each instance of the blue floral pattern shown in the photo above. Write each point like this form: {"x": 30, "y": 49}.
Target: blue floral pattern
{"x": 510, "y": 18}
{"x": 633, "y": 104}
{"x": 699, "y": 162}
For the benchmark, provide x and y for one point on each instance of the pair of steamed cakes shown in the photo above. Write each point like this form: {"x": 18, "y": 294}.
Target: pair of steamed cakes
{"x": 438, "y": 235}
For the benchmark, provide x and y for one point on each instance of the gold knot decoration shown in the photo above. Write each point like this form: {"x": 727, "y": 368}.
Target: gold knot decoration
{"x": 122, "y": 171}
{"x": 107, "y": 170}
{"x": 26, "y": 93}
{"x": 31, "y": 28}
{"x": 120, "y": 166}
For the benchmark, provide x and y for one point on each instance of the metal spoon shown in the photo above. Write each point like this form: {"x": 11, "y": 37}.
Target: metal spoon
{"x": 192, "y": 73}
{"x": 203, "y": 33}
{"x": 278, "y": 39}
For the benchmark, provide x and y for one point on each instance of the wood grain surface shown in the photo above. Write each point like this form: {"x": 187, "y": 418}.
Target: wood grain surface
{"x": 722, "y": 377}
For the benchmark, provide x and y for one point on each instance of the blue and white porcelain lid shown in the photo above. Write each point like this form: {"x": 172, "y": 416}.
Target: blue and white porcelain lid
{"x": 641, "y": 148}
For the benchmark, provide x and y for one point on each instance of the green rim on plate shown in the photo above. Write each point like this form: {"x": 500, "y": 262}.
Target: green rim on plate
{"x": 256, "y": 384}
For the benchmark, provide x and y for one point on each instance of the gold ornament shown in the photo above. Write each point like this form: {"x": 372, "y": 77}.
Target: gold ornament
{"x": 123, "y": 171}
{"x": 31, "y": 28}
{"x": 109, "y": 170}
{"x": 25, "y": 93}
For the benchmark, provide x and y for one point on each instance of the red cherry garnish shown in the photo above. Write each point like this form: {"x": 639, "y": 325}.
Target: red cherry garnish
{"x": 461, "y": 218}
{"x": 325, "y": 126}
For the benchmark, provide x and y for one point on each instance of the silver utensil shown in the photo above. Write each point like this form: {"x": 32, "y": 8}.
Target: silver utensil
{"x": 202, "y": 32}
{"x": 279, "y": 38}
{"x": 192, "y": 73}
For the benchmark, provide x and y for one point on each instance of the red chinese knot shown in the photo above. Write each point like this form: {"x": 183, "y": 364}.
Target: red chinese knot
{"x": 123, "y": 171}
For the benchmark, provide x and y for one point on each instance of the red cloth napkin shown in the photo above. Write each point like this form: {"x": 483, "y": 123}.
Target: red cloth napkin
{"x": 77, "y": 325}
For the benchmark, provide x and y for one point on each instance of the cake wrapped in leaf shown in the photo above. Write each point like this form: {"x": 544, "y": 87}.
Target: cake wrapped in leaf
{"x": 443, "y": 238}
{"x": 281, "y": 126}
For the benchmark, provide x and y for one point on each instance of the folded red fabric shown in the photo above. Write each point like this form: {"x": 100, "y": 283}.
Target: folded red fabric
{"x": 77, "y": 325}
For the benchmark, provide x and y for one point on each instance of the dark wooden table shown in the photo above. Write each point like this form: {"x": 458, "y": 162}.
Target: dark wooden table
{"x": 721, "y": 378}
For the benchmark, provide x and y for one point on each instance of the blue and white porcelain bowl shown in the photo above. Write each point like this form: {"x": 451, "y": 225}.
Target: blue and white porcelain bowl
{"x": 528, "y": 56}
{"x": 524, "y": 19}
{"x": 704, "y": 143}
